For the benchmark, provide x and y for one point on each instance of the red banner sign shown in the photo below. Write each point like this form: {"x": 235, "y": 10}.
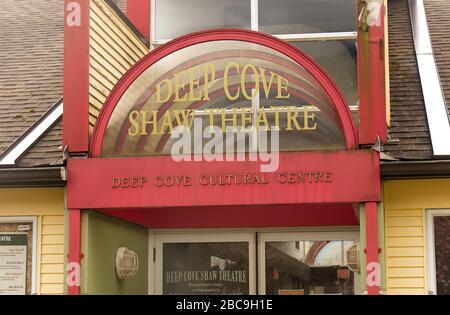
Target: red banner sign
{"x": 153, "y": 182}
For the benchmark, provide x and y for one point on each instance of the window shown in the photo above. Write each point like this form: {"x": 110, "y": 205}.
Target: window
{"x": 323, "y": 29}
{"x": 18, "y": 247}
{"x": 438, "y": 245}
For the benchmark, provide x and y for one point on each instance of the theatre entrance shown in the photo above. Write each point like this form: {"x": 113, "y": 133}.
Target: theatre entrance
{"x": 243, "y": 262}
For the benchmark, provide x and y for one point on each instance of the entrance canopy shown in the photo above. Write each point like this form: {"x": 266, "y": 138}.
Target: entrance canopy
{"x": 214, "y": 86}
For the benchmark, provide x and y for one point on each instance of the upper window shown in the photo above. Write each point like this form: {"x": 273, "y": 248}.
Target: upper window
{"x": 323, "y": 29}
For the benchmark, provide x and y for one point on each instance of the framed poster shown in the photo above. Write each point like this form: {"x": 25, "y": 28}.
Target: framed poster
{"x": 18, "y": 253}
{"x": 13, "y": 263}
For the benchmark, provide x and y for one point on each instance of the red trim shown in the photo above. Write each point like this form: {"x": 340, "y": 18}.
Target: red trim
{"x": 138, "y": 11}
{"x": 240, "y": 216}
{"x": 355, "y": 178}
{"x": 314, "y": 251}
{"x": 372, "y": 249}
{"x": 372, "y": 83}
{"x": 74, "y": 244}
{"x": 216, "y": 35}
{"x": 76, "y": 76}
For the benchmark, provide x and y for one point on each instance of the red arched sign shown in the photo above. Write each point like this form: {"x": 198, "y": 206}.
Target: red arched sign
{"x": 325, "y": 90}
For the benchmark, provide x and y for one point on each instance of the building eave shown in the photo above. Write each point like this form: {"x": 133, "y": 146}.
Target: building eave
{"x": 32, "y": 177}
{"x": 415, "y": 169}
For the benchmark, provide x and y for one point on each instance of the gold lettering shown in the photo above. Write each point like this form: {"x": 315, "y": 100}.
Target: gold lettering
{"x": 180, "y": 86}
{"x": 292, "y": 115}
{"x": 263, "y": 119}
{"x": 194, "y": 83}
{"x": 255, "y": 92}
{"x": 246, "y": 118}
{"x": 167, "y": 123}
{"x": 307, "y": 117}
{"x": 168, "y": 83}
{"x": 226, "y": 81}
{"x": 225, "y": 120}
{"x": 266, "y": 86}
{"x": 184, "y": 119}
{"x": 134, "y": 124}
{"x": 277, "y": 110}
{"x": 209, "y": 69}
{"x": 146, "y": 122}
{"x": 283, "y": 86}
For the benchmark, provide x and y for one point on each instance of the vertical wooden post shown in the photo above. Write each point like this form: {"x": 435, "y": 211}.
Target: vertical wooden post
{"x": 76, "y": 75}
{"x": 74, "y": 259}
{"x": 372, "y": 249}
{"x": 371, "y": 71}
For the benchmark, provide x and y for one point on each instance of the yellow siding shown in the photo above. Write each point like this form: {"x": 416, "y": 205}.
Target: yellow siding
{"x": 47, "y": 205}
{"x": 406, "y": 202}
{"x": 114, "y": 48}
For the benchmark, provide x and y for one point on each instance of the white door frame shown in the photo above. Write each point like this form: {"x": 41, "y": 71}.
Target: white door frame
{"x": 431, "y": 255}
{"x": 293, "y": 237}
{"x": 157, "y": 239}
{"x": 34, "y": 258}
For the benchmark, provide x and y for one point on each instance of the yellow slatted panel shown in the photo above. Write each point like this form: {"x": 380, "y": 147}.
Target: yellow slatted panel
{"x": 407, "y": 282}
{"x": 406, "y": 262}
{"x": 52, "y": 255}
{"x": 53, "y": 230}
{"x": 52, "y": 269}
{"x": 52, "y": 288}
{"x": 114, "y": 48}
{"x": 52, "y": 278}
{"x": 405, "y": 251}
{"x": 405, "y": 272}
{"x": 406, "y": 242}
{"x": 406, "y": 291}
{"x": 53, "y": 259}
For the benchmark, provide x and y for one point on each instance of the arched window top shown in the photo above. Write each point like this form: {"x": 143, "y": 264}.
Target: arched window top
{"x": 228, "y": 79}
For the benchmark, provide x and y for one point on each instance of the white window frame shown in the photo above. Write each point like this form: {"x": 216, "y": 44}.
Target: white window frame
{"x": 255, "y": 27}
{"x": 263, "y": 238}
{"x": 157, "y": 239}
{"x": 33, "y": 221}
{"x": 431, "y": 252}
{"x": 306, "y": 37}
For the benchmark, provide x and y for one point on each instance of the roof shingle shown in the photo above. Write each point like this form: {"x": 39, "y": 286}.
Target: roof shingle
{"x": 31, "y": 63}
{"x": 409, "y": 134}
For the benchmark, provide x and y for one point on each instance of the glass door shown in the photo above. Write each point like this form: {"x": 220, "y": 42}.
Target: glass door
{"x": 308, "y": 263}
{"x": 205, "y": 264}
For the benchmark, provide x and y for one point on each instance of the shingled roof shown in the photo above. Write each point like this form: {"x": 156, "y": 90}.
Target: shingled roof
{"x": 438, "y": 13}
{"x": 31, "y": 75}
{"x": 31, "y": 63}
{"x": 409, "y": 137}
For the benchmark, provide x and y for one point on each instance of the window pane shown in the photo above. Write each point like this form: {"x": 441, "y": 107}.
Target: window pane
{"x": 338, "y": 59}
{"x": 206, "y": 269}
{"x": 312, "y": 268}
{"x": 307, "y": 16}
{"x": 179, "y": 17}
{"x": 442, "y": 248}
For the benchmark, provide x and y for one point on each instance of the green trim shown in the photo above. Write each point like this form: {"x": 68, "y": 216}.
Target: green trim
{"x": 66, "y": 240}
{"x": 102, "y": 236}
{"x": 362, "y": 242}
{"x": 381, "y": 244}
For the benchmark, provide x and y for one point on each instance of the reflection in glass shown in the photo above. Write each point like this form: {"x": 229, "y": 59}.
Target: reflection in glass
{"x": 309, "y": 268}
{"x": 442, "y": 251}
{"x": 306, "y": 16}
{"x": 193, "y": 83}
{"x": 338, "y": 59}
{"x": 206, "y": 269}
{"x": 180, "y": 17}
